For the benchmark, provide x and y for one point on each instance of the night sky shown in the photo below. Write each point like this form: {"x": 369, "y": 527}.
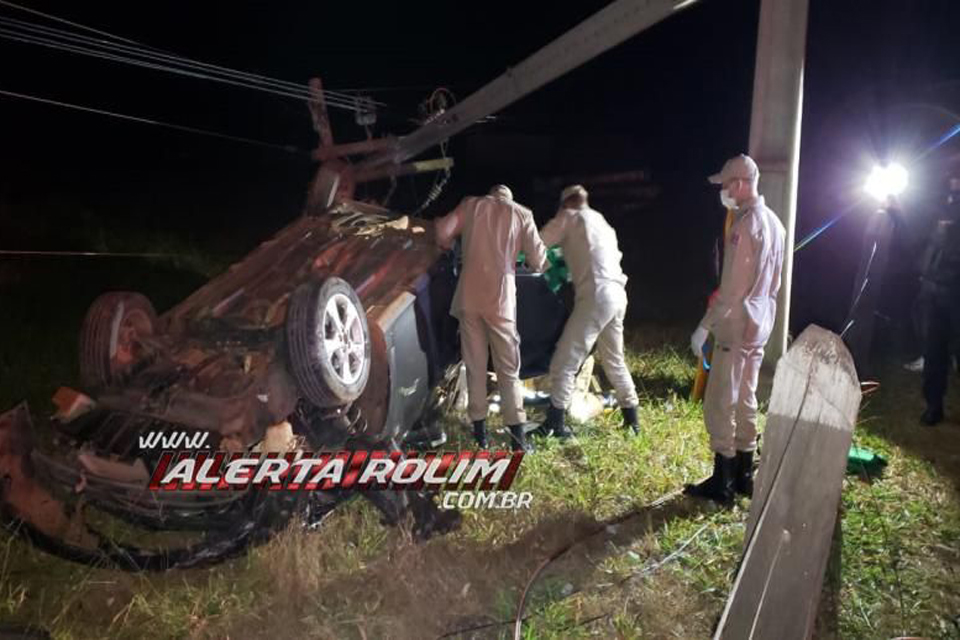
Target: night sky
{"x": 882, "y": 80}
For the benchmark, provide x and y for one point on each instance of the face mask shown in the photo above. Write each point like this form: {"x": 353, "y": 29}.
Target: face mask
{"x": 727, "y": 200}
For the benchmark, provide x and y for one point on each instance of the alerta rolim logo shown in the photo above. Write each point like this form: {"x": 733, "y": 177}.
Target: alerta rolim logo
{"x": 469, "y": 479}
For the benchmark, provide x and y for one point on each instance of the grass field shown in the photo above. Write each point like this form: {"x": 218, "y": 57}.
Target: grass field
{"x": 659, "y": 572}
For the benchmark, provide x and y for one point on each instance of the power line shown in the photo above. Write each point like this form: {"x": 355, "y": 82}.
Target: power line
{"x": 341, "y": 99}
{"x": 46, "y": 42}
{"x": 165, "y": 61}
{"x": 159, "y": 123}
{"x": 63, "y": 21}
{"x": 128, "y": 50}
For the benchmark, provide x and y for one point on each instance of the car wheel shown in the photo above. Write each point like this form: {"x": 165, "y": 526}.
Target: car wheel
{"x": 113, "y": 337}
{"x": 329, "y": 342}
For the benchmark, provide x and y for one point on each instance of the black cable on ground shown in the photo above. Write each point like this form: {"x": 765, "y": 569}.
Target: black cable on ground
{"x": 518, "y": 621}
{"x": 647, "y": 570}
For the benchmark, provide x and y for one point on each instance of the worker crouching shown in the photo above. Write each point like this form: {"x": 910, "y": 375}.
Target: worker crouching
{"x": 741, "y": 320}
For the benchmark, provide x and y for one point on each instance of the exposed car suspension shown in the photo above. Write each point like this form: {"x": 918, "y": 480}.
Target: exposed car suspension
{"x": 28, "y": 510}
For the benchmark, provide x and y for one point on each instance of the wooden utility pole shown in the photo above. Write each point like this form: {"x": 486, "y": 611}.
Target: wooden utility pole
{"x": 318, "y": 111}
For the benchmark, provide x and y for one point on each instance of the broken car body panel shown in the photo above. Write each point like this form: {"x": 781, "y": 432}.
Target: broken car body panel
{"x": 218, "y": 363}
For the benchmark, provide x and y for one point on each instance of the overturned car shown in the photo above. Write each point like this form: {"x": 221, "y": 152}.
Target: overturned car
{"x": 334, "y": 334}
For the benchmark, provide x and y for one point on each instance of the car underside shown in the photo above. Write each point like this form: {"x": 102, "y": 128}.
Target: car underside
{"x": 335, "y": 334}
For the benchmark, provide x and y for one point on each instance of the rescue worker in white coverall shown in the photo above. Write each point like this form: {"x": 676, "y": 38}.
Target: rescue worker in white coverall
{"x": 740, "y": 319}
{"x": 590, "y": 249}
{"x": 495, "y": 229}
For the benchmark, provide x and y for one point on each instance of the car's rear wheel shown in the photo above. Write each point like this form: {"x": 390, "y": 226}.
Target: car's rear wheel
{"x": 114, "y": 337}
{"x": 329, "y": 342}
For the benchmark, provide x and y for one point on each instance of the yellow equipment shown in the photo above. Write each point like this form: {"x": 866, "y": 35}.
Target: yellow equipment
{"x": 700, "y": 382}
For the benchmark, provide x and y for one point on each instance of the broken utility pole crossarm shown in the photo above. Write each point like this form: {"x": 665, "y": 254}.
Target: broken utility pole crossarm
{"x": 393, "y": 171}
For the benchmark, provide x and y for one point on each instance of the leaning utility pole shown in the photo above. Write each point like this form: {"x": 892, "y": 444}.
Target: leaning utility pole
{"x": 775, "y": 131}
{"x": 618, "y": 21}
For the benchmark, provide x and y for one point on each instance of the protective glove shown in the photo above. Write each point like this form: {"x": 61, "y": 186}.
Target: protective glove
{"x": 697, "y": 340}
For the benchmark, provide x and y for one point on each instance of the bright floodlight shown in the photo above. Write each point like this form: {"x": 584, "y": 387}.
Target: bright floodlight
{"x": 887, "y": 181}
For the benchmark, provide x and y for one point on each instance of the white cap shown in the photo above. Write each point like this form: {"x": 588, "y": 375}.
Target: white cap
{"x": 573, "y": 190}
{"x": 502, "y": 191}
{"x": 741, "y": 166}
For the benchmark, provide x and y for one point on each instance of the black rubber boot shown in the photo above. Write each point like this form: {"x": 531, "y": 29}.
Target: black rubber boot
{"x": 518, "y": 439}
{"x": 554, "y": 424}
{"x": 719, "y": 486}
{"x": 630, "y": 419}
{"x": 563, "y": 432}
{"x": 743, "y": 476}
{"x": 480, "y": 433}
{"x": 932, "y": 416}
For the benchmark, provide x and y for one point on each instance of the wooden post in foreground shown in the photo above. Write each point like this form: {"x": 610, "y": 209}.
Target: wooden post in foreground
{"x": 813, "y": 409}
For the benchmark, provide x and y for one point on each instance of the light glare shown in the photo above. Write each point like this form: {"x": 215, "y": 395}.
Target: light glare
{"x": 887, "y": 181}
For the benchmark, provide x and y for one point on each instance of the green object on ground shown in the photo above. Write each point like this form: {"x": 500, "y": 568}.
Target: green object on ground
{"x": 863, "y": 461}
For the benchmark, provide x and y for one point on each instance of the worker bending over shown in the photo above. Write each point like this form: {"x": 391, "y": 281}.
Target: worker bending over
{"x": 590, "y": 249}
{"x": 740, "y": 319}
{"x": 495, "y": 229}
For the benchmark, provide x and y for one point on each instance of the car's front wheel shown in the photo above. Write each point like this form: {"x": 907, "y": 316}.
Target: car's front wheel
{"x": 329, "y": 342}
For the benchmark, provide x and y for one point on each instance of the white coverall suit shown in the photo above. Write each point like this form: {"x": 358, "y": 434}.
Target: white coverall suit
{"x": 494, "y": 230}
{"x": 741, "y": 319}
{"x": 590, "y": 249}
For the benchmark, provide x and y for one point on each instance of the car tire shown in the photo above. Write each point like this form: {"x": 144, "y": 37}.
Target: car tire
{"x": 111, "y": 340}
{"x": 328, "y": 342}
